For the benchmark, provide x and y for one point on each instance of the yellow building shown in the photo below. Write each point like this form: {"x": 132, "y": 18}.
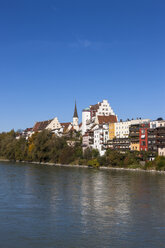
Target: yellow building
{"x": 111, "y": 131}
{"x": 135, "y": 147}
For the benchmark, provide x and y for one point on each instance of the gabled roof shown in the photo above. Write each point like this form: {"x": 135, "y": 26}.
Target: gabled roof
{"x": 95, "y": 107}
{"x": 41, "y": 125}
{"x": 65, "y": 125}
{"x": 106, "y": 119}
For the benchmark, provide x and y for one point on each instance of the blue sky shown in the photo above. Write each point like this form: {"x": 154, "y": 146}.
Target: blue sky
{"x": 55, "y": 51}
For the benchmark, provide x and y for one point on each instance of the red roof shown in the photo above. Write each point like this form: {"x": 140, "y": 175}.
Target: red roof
{"x": 39, "y": 126}
{"x": 107, "y": 119}
{"x": 95, "y": 107}
{"x": 65, "y": 125}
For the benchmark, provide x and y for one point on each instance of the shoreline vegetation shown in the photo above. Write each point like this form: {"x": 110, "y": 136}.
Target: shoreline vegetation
{"x": 47, "y": 149}
{"x": 84, "y": 166}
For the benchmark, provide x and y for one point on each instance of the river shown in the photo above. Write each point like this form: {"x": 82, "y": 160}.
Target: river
{"x": 57, "y": 207}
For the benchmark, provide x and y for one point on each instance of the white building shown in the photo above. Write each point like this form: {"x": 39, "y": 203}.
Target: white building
{"x": 54, "y": 124}
{"x": 101, "y": 108}
{"x": 101, "y": 136}
{"x": 161, "y": 151}
{"x": 89, "y": 114}
{"x": 157, "y": 123}
{"x": 122, "y": 127}
{"x": 86, "y": 117}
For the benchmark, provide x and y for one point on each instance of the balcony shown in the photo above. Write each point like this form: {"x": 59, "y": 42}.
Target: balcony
{"x": 132, "y": 129}
{"x": 134, "y": 134}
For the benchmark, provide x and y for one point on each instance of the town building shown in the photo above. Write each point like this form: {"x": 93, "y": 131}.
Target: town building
{"x": 88, "y": 140}
{"x": 156, "y": 137}
{"x": 143, "y": 136}
{"x": 111, "y": 131}
{"x": 27, "y": 133}
{"x": 89, "y": 114}
{"x": 157, "y": 123}
{"x": 55, "y": 126}
{"x": 134, "y": 137}
{"x": 160, "y": 132}
{"x": 120, "y": 144}
{"x": 152, "y": 141}
{"x": 99, "y": 125}
{"x": 122, "y": 127}
{"x": 101, "y": 136}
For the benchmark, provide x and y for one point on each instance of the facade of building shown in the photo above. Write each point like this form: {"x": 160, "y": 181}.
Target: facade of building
{"x": 111, "y": 131}
{"x": 89, "y": 114}
{"x": 161, "y": 151}
{"x": 143, "y": 136}
{"x": 157, "y": 123}
{"x": 66, "y": 127}
{"x": 160, "y": 139}
{"x": 134, "y": 137}
{"x": 122, "y": 127}
{"x": 88, "y": 140}
{"x": 54, "y": 124}
{"x": 86, "y": 118}
{"x": 101, "y": 108}
{"x": 135, "y": 146}
{"x": 101, "y": 137}
{"x": 120, "y": 144}
{"x": 152, "y": 141}
{"x": 156, "y": 140}
{"x": 139, "y": 136}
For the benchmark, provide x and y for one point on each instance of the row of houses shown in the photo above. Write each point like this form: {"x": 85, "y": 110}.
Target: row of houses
{"x": 102, "y": 130}
{"x": 55, "y": 126}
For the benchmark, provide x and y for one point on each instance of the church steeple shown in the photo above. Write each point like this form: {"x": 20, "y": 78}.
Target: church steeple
{"x": 75, "y": 119}
{"x": 75, "y": 111}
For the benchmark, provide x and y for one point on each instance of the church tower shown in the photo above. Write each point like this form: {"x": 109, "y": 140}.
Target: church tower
{"x": 75, "y": 119}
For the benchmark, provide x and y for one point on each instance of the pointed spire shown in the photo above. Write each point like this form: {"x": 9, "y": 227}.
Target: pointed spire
{"x": 75, "y": 111}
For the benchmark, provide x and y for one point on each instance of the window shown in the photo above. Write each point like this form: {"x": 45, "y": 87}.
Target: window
{"x": 143, "y": 143}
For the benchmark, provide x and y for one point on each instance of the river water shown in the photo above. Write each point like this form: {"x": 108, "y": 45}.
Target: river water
{"x": 56, "y": 207}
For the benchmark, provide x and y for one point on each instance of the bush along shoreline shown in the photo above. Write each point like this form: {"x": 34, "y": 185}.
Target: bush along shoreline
{"x": 45, "y": 147}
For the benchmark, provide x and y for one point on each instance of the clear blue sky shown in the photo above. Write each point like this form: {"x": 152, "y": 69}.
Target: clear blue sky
{"x": 55, "y": 51}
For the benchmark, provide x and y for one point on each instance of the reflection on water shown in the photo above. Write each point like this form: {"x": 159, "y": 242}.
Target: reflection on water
{"x": 76, "y": 207}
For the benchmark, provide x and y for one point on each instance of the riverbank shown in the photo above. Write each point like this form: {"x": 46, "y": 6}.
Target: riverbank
{"x": 44, "y": 146}
{"x": 86, "y": 166}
